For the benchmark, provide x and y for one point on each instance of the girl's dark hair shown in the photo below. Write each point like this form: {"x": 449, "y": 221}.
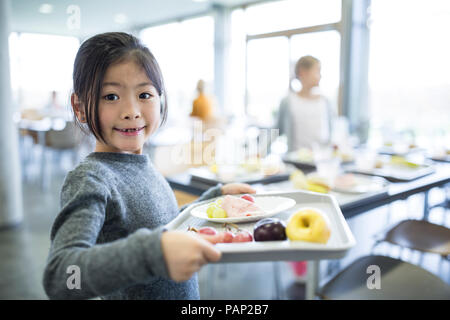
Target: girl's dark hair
{"x": 93, "y": 59}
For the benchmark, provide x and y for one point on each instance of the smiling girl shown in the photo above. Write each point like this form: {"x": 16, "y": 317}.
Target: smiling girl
{"x": 114, "y": 204}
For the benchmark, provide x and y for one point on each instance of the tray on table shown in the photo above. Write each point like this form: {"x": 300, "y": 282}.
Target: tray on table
{"x": 204, "y": 175}
{"x": 340, "y": 242}
{"x": 441, "y": 159}
{"x": 393, "y": 151}
{"x": 343, "y": 198}
{"x": 397, "y": 173}
{"x": 306, "y": 164}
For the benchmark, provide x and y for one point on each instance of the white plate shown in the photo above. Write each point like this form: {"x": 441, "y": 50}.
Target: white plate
{"x": 270, "y": 204}
{"x": 363, "y": 184}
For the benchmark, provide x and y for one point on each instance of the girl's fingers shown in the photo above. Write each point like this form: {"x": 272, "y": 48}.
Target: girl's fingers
{"x": 211, "y": 254}
{"x": 248, "y": 189}
{"x": 236, "y": 188}
{"x": 210, "y": 238}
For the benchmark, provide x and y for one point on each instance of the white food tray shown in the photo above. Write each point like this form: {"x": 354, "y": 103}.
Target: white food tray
{"x": 340, "y": 242}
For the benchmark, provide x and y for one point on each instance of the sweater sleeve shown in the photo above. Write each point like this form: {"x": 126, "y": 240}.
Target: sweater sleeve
{"x": 77, "y": 267}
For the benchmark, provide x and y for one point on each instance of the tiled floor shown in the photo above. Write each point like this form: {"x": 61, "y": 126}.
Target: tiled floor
{"x": 23, "y": 250}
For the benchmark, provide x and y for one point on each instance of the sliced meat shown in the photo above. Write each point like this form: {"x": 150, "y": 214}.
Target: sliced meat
{"x": 238, "y": 207}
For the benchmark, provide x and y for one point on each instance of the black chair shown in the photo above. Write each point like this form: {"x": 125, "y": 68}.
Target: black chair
{"x": 419, "y": 235}
{"x": 397, "y": 279}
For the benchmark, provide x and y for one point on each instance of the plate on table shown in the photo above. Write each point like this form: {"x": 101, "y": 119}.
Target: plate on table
{"x": 359, "y": 183}
{"x": 272, "y": 205}
{"x": 399, "y": 150}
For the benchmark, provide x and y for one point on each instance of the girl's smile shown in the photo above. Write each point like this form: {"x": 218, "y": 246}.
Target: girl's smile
{"x": 130, "y": 131}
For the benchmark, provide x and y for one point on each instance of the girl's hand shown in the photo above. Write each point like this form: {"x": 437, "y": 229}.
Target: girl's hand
{"x": 237, "y": 188}
{"x": 185, "y": 254}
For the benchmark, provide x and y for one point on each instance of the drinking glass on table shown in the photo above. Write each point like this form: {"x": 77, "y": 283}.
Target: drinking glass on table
{"x": 327, "y": 164}
{"x": 365, "y": 159}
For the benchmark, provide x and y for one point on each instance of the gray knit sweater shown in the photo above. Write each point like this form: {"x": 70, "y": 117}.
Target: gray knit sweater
{"x": 113, "y": 209}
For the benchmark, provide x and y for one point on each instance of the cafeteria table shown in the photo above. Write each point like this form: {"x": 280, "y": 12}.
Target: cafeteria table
{"x": 351, "y": 205}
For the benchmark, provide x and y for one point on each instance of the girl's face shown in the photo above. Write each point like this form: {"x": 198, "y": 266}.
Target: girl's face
{"x": 129, "y": 109}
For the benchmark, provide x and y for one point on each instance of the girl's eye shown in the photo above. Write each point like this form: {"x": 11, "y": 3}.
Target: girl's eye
{"x": 111, "y": 97}
{"x": 145, "y": 95}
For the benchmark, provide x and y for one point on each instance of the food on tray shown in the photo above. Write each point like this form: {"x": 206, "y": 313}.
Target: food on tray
{"x": 243, "y": 236}
{"x": 308, "y": 225}
{"x": 252, "y": 164}
{"x": 379, "y": 163}
{"x": 248, "y": 197}
{"x": 345, "y": 181}
{"x": 271, "y": 165}
{"x": 208, "y": 230}
{"x": 213, "y": 168}
{"x": 307, "y": 155}
{"x": 215, "y": 211}
{"x": 218, "y": 237}
{"x": 345, "y": 157}
{"x": 249, "y": 169}
{"x": 402, "y": 161}
{"x": 238, "y": 207}
{"x": 345, "y": 153}
{"x": 440, "y": 153}
{"x": 311, "y": 182}
{"x": 304, "y": 155}
{"x": 239, "y": 235}
{"x": 226, "y": 236}
{"x": 317, "y": 184}
{"x": 269, "y": 229}
{"x": 298, "y": 179}
{"x": 233, "y": 207}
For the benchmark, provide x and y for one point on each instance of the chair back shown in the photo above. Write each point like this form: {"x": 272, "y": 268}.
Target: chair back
{"x": 67, "y": 138}
{"x": 420, "y": 235}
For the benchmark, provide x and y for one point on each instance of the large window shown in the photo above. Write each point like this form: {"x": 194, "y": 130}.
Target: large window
{"x": 291, "y": 14}
{"x": 41, "y": 64}
{"x": 185, "y": 53}
{"x": 268, "y": 39}
{"x": 326, "y": 47}
{"x": 408, "y": 70}
{"x": 267, "y": 76}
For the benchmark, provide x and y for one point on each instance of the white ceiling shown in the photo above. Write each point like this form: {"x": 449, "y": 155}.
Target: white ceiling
{"x": 98, "y": 15}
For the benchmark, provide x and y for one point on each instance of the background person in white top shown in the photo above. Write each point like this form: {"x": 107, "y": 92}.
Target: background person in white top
{"x": 305, "y": 117}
